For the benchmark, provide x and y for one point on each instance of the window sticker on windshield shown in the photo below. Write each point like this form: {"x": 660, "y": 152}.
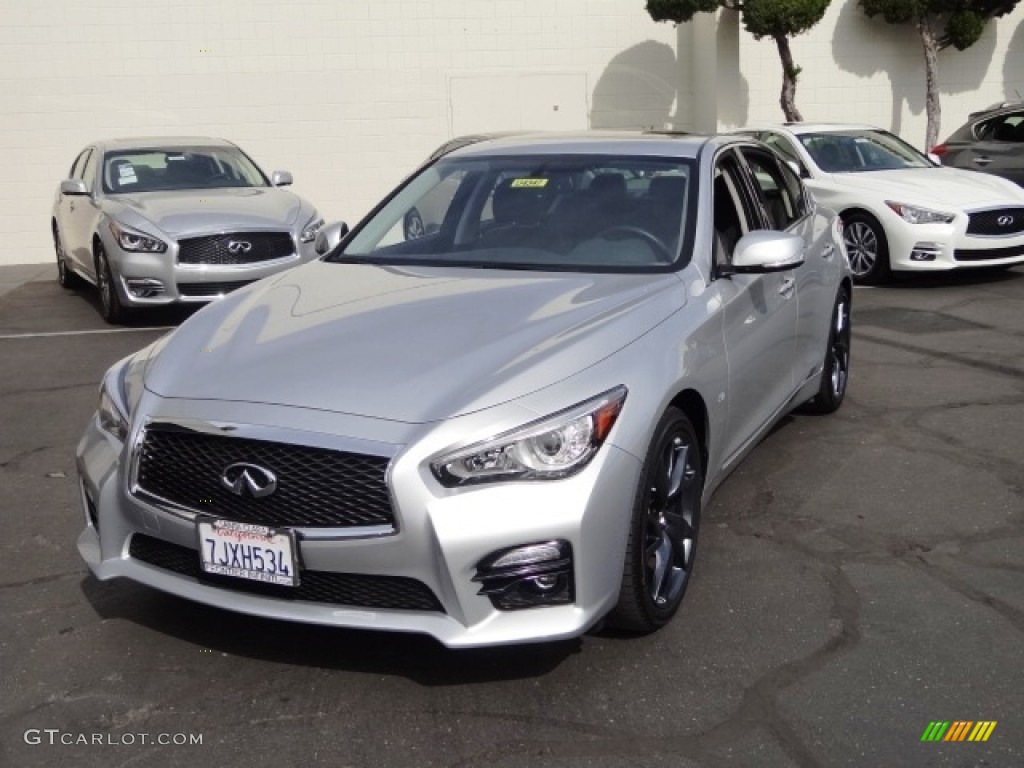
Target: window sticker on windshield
{"x": 519, "y": 183}
{"x": 126, "y": 175}
{"x": 171, "y": 158}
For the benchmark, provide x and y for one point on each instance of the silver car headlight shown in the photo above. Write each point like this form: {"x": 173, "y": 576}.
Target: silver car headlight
{"x": 309, "y": 232}
{"x": 112, "y": 411}
{"x": 130, "y": 240}
{"x": 554, "y": 447}
{"x": 917, "y": 215}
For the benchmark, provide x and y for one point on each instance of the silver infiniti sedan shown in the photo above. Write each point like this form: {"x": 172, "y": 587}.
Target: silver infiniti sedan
{"x": 501, "y": 431}
{"x": 154, "y": 221}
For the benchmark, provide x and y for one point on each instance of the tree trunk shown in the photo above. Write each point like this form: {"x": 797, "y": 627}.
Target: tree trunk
{"x": 789, "y": 74}
{"x": 933, "y": 107}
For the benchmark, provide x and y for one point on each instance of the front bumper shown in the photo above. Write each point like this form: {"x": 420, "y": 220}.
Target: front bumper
{"x": 157, "y": 279}
{"x": 943, "y": 247}
{"x": 442, "y": 534}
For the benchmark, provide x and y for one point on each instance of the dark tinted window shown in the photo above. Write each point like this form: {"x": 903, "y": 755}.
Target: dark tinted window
{"x": 776, "y": 194}
{"x": 1003, "y": 128}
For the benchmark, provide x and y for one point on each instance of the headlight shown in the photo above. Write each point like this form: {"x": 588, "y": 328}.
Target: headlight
{"x": 136, "y": 241}
{"x": 917, "y": 215}
{"x": 309, "y": 232}
{"x": 554, "y": 447}
{"x": 111, "y": 410}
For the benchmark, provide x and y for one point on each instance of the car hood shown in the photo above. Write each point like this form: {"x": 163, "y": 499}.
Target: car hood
{"x": 406, "y": 344}
{"x": 184, "y": 212}
{"x": 949, "y": 187}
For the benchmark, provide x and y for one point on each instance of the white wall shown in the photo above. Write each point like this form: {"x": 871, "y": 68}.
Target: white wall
{"x": 349, "y": 95}
{"x": 857, "y": 69}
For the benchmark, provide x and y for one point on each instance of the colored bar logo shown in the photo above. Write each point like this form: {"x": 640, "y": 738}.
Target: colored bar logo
{"x": 958, "y": 730}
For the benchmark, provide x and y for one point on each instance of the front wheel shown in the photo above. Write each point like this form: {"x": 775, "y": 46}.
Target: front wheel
{"x": 662, "y": 542}
{"x": 835, "y": 374}
{"x": 867, "y": 249}
{"x": 65, "y": 276}
{"x": 113, "y": 310}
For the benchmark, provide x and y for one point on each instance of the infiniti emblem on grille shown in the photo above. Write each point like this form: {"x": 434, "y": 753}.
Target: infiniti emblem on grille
{"x": 239, "y": 246}
{"x": 248, "y": 479}
{"x": 1004, "y": 221}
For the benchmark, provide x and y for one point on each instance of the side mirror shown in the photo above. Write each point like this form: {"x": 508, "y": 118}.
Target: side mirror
{"x": 766, "y": 251}
{"x": 935, "y": 158}
{"x": 281, "y": 178}
{"x": 329, "y": 236}
{"x": 73, "y": 187}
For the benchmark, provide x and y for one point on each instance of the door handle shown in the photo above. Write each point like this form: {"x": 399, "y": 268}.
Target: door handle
{"x": 983, "y": 160}
{"x": 828, "y": 251}
{"x": 72, "y": 206}
{"x": 786, "y": 289}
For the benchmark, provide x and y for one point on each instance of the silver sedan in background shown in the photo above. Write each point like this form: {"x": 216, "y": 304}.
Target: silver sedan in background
{"x": 499, "y": 431}
{"x": 154, "y": 221}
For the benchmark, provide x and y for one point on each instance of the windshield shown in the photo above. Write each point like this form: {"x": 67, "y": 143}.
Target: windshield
{"x": 853, "y": 151}
{"x": 592, "y": 213}
{"x": 150, "y": 170}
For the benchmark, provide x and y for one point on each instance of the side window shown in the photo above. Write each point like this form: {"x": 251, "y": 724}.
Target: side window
{"x": 797, "y": 191}
{"x": 783, "y": 147}
{"x": 732, "y": 209}
{"x": 89, "y": 172}
{"x": 777, "y": 197}
{"x": 79, "y": 164}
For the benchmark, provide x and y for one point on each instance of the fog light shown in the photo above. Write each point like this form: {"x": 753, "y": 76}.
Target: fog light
{"x": 528, "y": 576}
{"x": 143, "y": 287}
{"x": 926, "y": 252}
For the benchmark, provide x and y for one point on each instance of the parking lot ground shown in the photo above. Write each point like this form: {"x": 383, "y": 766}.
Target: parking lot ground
{"x": 860, "y": 576}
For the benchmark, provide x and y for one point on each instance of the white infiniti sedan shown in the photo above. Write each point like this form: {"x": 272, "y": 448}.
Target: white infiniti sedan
{"x": 900, "y": 210}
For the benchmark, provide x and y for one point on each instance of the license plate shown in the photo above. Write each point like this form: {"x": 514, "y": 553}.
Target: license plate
{"x": 244, "y": 551}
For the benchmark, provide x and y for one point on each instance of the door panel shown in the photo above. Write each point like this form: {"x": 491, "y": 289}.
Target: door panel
{"x": 81, "y": 216}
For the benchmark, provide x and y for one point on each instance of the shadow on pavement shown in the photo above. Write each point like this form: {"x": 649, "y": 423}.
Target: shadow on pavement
{"x": 416, "y": 657}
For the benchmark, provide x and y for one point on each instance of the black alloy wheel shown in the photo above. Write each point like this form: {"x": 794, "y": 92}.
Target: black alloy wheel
{"x": 835, "y": 374}
{"x": 662, "y": 544}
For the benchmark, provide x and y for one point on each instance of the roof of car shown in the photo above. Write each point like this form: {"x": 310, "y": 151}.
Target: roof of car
{"x": 163, "y": 142}
{"x": 653, "y": 143}
{"x": 801, "y": 128}
{"x": 995, "y": 109}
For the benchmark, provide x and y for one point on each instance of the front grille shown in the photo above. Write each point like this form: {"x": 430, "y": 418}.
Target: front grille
{"x": 351, "y": 589}
{"x": 316, "y": 487}
{"x": 211, "y": 289}
{"x": 228, "y": 250}
{"x": 987, "y": 254}
{"x": 987, "y": 222}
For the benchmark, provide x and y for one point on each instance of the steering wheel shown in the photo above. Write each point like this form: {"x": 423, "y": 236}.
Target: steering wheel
{"x": 625, "y": 231}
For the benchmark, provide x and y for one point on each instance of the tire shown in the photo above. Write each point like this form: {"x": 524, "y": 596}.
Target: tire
{"x": 835, "y": 374}
{"x": 867, "y": 248}
{"x": 663, "y": 529}
{"x": 113, "y": 311}
{"x": 413, "y": 225}
{"x": 65, "y": 276}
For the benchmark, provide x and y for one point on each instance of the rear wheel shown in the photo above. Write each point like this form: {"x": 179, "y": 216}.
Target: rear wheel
{"x": 65, "y": 276}
{"x": 662, "y": 542}
{"x": 835, "y": 373}
{"x": 867, "y": 248}
{"x": 113, "y": 310}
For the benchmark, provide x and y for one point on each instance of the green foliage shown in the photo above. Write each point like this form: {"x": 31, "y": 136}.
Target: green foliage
{"x": 964, "y": 29}
{"x": 962, "y": 21}
{"x": 680, "y": 11}
{"x": 782, "y": 18}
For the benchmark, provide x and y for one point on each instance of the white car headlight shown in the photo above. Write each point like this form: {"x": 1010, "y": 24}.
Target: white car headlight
{"x": 554, "y": 447}
{"x": 136, "y": 241}
{"x": 916, "y": 215}
{"x": 309, "y": 232}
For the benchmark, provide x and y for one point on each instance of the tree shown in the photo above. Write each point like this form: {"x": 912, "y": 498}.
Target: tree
{"x": 940, "y": 24}
{"x": 778, "y": 19}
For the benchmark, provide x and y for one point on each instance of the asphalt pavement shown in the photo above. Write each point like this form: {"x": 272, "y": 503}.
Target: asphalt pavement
{"x": 860, "y": 577}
